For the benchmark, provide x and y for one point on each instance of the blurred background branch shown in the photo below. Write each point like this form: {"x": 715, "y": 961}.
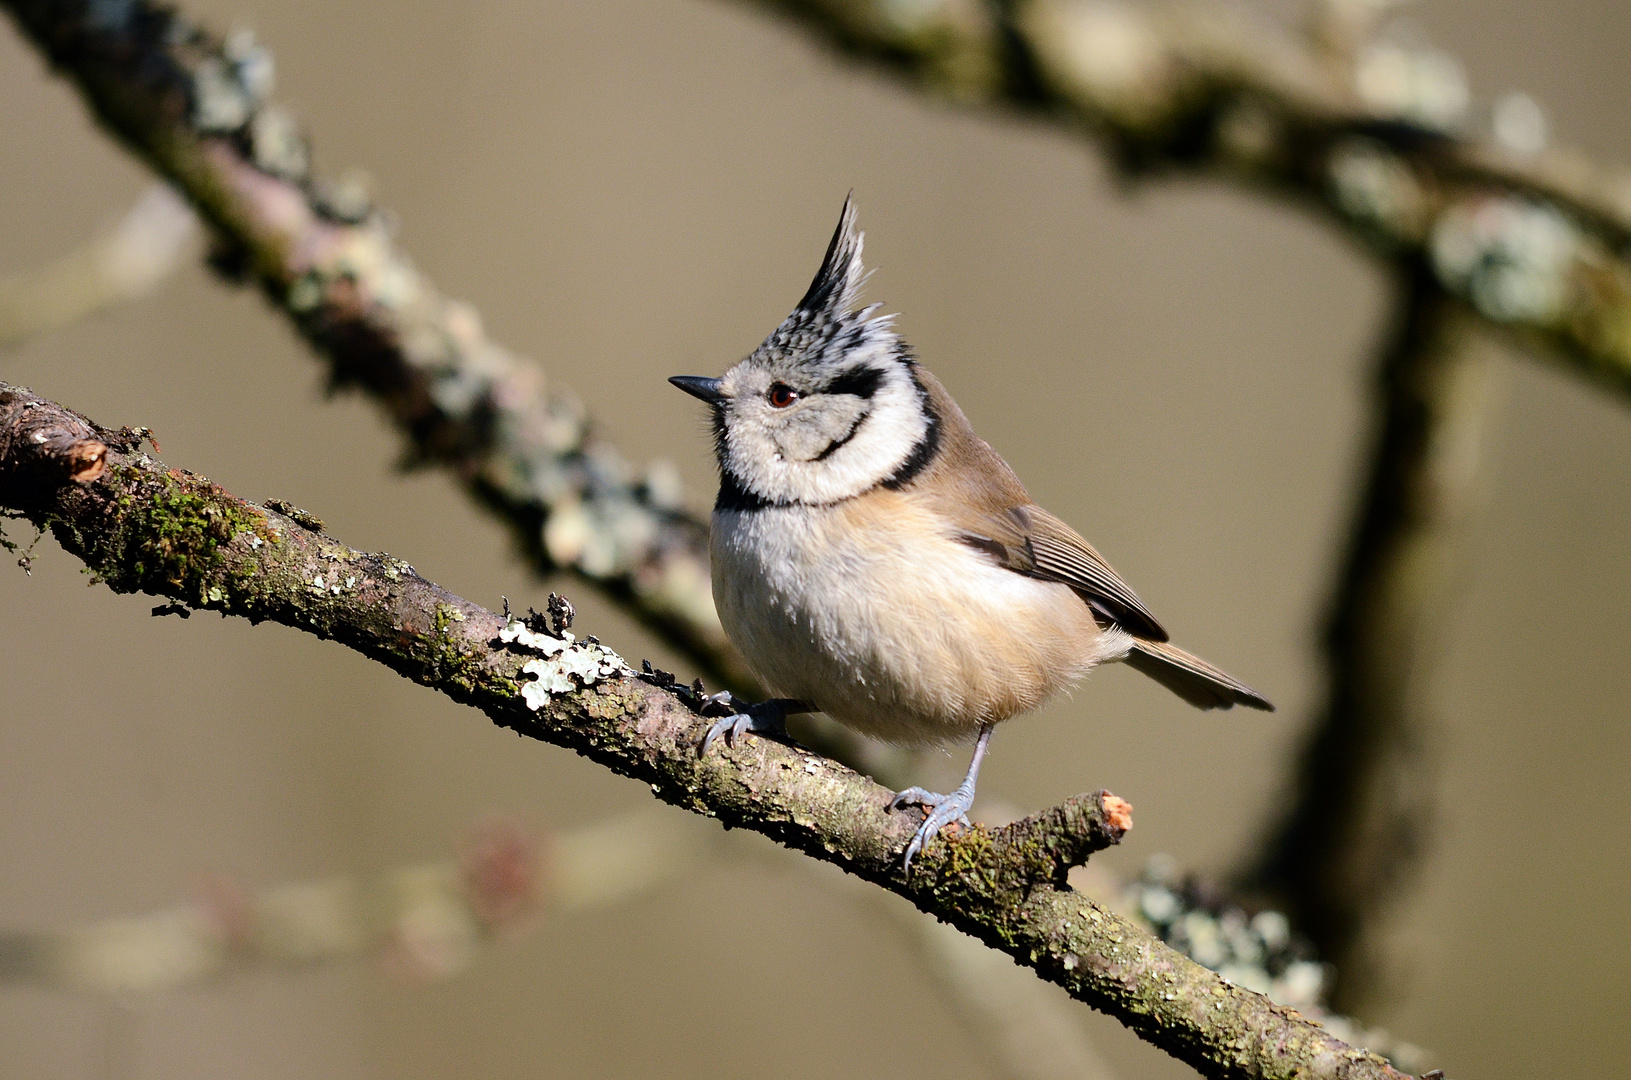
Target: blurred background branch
{"x": 1361, "y": 810}
{"x": 425, "y": 921}
{"x": 197, "y": 108}
{"x": 431, "y": 921}
{"x": 1255, "y": 947}
{"x": 1377, "y": 136}
{"x": 128, "y": 262}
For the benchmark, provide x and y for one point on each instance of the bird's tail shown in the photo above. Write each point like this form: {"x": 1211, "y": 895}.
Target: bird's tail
{"x": 1192, "y": 678}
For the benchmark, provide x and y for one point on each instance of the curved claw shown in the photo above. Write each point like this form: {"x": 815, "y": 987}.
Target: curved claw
{"x": 915, "y": 796}
{"x": 731, "y": 727}
{"x": 763, "y": 719}
{"x": 943, "y": 811}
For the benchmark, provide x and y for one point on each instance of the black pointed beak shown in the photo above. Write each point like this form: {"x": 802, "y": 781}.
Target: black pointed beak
{"x": 699, "y": 386}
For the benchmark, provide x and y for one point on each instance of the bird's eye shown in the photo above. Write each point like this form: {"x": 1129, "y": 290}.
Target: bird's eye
{"x": 781, "y": 395}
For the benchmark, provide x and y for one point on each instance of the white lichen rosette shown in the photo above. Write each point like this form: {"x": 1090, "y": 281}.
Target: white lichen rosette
{"x": 562, "y": 664}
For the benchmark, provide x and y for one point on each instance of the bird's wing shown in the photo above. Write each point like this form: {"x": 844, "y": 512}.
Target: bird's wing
{"x": 974, "y": 490}
{"x": 1029, "y": 540}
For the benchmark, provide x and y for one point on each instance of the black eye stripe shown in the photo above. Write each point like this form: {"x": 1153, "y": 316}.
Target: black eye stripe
{"x": 862, "y": 381}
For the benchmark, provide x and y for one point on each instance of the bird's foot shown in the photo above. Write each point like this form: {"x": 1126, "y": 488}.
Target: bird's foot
{"x": 763, "y": 718}
{"x": 943, "y": 810}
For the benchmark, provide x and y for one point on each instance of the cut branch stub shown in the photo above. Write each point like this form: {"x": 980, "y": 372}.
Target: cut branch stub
{"x": 142, "y": 526}
{"x": 64, "y": 445}
{"x": 1061, "y": 838}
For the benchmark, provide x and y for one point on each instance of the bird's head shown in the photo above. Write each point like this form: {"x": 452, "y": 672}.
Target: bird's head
{"x": 828, "y": 406}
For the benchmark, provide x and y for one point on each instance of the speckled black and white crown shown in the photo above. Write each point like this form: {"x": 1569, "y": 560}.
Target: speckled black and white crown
{"x": 824, "y": 330}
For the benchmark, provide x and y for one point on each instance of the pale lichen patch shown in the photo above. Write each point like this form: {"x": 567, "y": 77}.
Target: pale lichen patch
{"x": 516, "y": 633}
{"x": 561, "y": 666}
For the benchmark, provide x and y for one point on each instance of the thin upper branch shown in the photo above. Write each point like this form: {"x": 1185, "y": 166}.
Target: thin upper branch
{"x": 144, "y": 527}
{"x": 1536, "y": 243}
{"x": 195, "y": 107}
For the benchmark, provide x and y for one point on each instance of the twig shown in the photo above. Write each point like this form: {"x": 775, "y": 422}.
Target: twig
{"x": 425, "y": 921}
{"x": 196, "y": 108}
{"x": 143, "y": 527}
{"x": 130, "y": 261}
{"x": 1535, "y": 243}
{"x": 1363, "y": 803}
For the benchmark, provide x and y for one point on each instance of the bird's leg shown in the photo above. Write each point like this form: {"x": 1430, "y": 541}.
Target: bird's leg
{"x": 762, "y": 718}
{"x": 943, "y": 809}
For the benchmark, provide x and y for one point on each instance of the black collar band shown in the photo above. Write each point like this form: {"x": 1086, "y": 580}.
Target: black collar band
{"x": 733, "y": 495}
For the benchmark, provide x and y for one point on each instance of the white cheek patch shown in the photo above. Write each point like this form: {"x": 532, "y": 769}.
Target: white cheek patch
{"x": 830, "y": 448}
{"x": 814, "y": 429}
{"x": 894, "y": 426}
{"x": 879, "y": 447}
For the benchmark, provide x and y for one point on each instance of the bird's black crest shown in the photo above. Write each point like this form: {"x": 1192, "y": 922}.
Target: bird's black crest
{"x": 838, "y": 282}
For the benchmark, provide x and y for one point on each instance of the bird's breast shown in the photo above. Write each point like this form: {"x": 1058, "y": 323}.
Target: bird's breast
{"x": 873, "y": 612}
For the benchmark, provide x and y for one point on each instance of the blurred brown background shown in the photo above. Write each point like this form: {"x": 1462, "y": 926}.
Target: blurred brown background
{"x": 638, "y": 188}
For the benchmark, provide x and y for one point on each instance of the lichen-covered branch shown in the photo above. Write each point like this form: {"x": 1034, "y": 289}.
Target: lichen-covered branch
{"x": 1372, "y": 134}
{"x": 141, "y": 526}
{"x": 1363, "y": 797}
{"x": 197, "y": 109}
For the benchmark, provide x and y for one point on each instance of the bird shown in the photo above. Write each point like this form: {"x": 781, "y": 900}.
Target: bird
{"x": 874, "y": 559}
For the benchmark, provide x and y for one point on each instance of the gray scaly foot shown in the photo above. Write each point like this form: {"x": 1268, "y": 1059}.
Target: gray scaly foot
{"x": 763, "y": 718}
{"x": 943, "y": 809}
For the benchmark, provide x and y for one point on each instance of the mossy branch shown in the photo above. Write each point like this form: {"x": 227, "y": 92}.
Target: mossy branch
{"x": 144, "y": 527}
{"x": 195, "y": 107}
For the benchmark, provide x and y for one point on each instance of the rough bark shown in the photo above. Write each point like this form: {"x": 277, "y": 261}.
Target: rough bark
{"x": 144, "y": 527}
